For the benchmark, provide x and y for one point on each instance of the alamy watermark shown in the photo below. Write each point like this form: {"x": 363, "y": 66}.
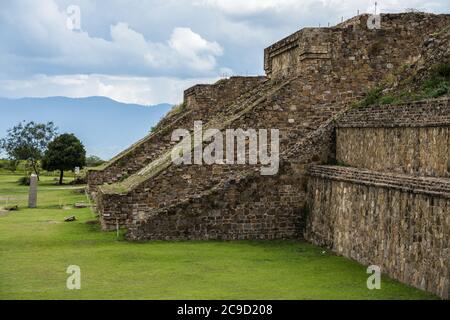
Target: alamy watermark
{"x": 74, "y": 280}
{"x": 234, "y": 146}
{"x": 73, "y": 21}
{"x": 374, "y": 280}
{"x": 374, "y": 22}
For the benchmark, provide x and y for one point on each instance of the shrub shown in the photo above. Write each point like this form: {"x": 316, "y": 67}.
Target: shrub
{"x": 9, "y": 165}
{"x": 79, "y": 180}
{"x": 388, "y": 99}
{"x": 441, "y": 89}
{"x": 436, "y": 84}
{"x": 94, "y": 161}
{"x": 24, "y": 181}
{"x": 177, "y": 109}
{"x": 443, "y": 70}
{"x": 375, "y": 48}
{"x": 373, "y": 96}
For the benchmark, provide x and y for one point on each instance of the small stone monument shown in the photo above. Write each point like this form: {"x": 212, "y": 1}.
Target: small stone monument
{"x": 32, "y": 197}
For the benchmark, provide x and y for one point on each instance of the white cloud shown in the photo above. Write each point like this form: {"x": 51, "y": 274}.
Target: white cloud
{"x": 39, "y": 38}
{"x": 199, "y": 52}
{"x": 141, "y": 51}
{"x": 250, "y": 6}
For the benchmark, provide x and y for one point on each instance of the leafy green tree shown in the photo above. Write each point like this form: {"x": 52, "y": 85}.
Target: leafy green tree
{"x": 28, "y": 141}
{"x": 64, "y": 153}
{"x": 12, "y": 165}
{"x": 9, "y": 165}
{"x": 94, "y": 161}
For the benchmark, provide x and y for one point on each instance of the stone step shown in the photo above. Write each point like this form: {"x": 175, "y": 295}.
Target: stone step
{"x": 415, "y": 184}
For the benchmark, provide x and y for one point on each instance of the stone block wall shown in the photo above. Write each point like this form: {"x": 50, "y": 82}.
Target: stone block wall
{"x": 411, "y": 138}
{"x": 425, "y": 113}
{"x": 398, "y": 222}
{"x": 388, "y": 203}
{"x": 303, "y": 50}
{"x": 352, "y": 44}
{"x": 421, "y": 151}
{"x": 224, "y": 92}
{"x": 235, "y": 210}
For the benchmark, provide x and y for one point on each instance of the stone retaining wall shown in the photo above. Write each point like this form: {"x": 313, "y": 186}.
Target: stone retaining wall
{"x": 398, "y": 222}
{"x": 425, "y": 113}
{"x": 418, "y": 151}
{"x": 257, "y": 208}
{"x": 411, "y": 138}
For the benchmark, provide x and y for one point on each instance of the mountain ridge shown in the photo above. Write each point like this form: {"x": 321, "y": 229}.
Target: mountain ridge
{"x": 100, "y": 122}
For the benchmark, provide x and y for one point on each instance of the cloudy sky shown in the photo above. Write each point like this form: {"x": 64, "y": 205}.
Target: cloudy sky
{"x": 148, "y": 52}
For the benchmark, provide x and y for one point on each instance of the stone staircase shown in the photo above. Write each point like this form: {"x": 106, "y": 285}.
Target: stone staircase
{"x": 242, "y": 204}
{"x": 150, "y": 176}
{"x": 156, "y": 143}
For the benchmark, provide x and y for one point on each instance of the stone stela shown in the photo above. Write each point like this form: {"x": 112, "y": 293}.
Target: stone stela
{"x": 32, "y": 196}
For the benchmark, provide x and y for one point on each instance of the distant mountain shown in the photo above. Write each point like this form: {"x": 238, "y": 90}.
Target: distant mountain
{"x": 105, "y": 126}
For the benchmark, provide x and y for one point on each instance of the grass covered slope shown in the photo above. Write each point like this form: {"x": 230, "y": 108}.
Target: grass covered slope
{"x": 36, "y": 247}
{"x": 426, "y": 77}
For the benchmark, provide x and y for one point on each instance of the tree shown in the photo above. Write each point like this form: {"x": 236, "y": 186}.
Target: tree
{"x": 28, "y": 141}
{"x": 64, "y": 153}
{"x": 94, "y": 161}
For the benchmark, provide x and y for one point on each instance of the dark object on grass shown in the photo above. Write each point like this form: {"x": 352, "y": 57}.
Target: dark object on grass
{"x": 70, "y": 219}
{"x": 24, "y": 181}
{"x": 92, "y": 222}
{"x": 12, "y": 208}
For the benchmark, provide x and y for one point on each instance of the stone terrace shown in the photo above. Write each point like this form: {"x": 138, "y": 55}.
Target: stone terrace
{"x": 298, "y": 101}
{"x": 391, "y": 208}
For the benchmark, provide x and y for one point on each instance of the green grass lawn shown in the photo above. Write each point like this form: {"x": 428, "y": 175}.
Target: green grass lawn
{"x": 36, "y": 247}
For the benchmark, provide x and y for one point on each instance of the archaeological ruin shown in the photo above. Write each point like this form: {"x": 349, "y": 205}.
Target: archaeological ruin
{"x": 368, "y": 179}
